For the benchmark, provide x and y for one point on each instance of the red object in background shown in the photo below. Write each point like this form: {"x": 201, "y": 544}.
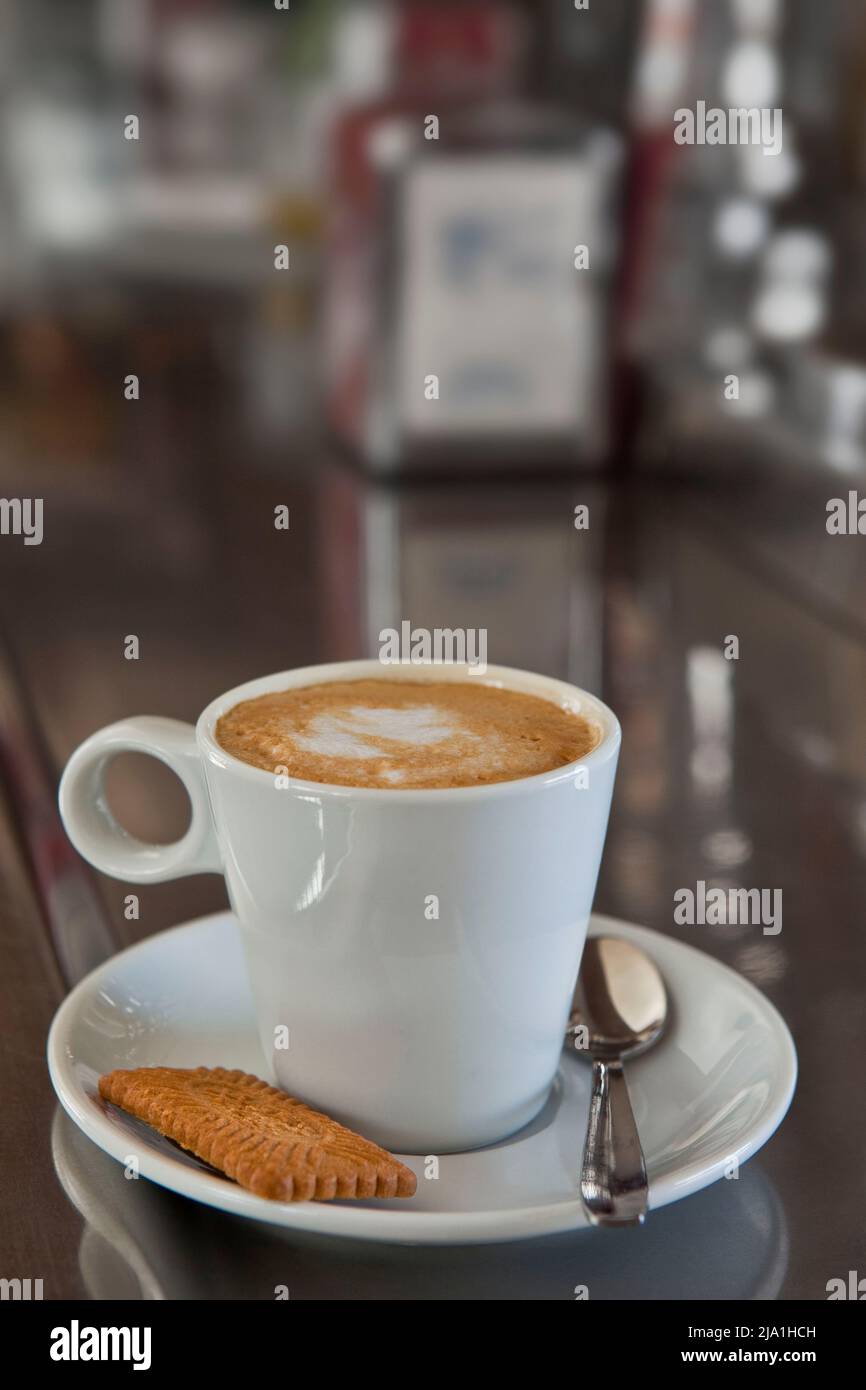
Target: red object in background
{"x": 444, "y": 57}
{"x": 651, "y": 153}
{"x": 443, "y": 48}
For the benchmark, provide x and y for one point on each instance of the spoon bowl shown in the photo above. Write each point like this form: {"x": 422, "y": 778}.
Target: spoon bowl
{"x": 620, "y": 998}
{"x": 619, "y": 1009}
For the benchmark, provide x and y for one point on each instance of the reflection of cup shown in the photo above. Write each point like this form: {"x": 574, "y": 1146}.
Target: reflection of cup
{"x": 430, "y": 1033}
{"x": 730, "y": 1241}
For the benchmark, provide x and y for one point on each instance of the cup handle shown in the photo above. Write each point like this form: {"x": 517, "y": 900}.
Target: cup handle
{"x": 93, "y": 829}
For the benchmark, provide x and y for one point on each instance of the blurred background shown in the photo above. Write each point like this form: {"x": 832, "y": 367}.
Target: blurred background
{"x": 237, "y": 308}
{"x": 236, "y": 240}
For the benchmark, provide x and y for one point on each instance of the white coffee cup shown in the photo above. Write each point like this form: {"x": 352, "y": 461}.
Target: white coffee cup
{"x": 420, "y": 946}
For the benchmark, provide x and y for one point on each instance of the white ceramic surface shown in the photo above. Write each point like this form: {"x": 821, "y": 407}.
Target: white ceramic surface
{"x": 433, "y": 1034}
{"x": 711, "y": 1092}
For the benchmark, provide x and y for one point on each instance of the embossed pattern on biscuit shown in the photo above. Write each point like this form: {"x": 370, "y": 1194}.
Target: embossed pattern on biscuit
{"x": 268, "y": 1142}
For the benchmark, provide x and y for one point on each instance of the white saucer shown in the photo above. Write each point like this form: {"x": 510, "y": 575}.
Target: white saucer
{"x": 710, "y": 1093}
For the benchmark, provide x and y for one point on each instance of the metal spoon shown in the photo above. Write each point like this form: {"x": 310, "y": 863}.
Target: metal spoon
{"x": 619, "y": 1009}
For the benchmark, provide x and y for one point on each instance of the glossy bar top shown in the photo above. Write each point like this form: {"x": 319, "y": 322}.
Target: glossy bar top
{"x": 736, "y": 771}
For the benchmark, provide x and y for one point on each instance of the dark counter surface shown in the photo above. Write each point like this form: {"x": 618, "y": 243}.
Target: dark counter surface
{"x": 744, "y": 772}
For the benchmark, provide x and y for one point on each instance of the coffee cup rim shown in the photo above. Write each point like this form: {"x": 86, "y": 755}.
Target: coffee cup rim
{"x": 562, "y": 693}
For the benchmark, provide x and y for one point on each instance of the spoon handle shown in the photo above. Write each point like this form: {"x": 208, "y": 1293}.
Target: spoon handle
{"x": 613, "y": 1181}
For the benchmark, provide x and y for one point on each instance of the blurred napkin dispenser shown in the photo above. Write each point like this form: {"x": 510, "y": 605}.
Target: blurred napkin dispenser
{"x": 469, "y": 303}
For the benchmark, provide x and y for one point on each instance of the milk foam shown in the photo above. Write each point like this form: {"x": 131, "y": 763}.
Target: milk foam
{"x": 352, "y": 733}
{"x": 387, "y": 733}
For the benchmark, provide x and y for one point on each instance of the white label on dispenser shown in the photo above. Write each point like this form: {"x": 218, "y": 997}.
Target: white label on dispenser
{"x": 491, "y": 302}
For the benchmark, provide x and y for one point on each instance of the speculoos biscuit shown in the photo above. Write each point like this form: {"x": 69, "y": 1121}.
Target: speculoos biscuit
{"x": 269, "y": 1143}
